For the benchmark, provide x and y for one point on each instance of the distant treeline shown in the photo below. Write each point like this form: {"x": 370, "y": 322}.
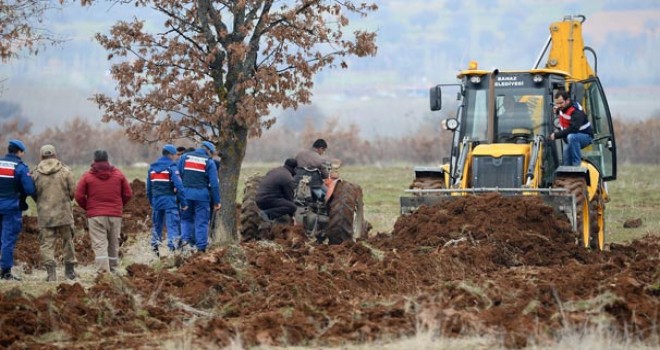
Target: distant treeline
{"x": 638, "y": 142}
{"x": 75, "y": 142}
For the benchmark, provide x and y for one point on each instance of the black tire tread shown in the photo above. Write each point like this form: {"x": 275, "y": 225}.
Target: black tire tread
{"x": 345, "y": 204}
{"x": 249, "y": 218}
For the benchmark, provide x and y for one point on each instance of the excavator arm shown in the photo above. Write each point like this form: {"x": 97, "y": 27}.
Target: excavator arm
{"x": 567, "y": 50}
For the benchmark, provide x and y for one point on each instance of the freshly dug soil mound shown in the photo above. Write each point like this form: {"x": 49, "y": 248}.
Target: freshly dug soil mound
{"x": 492, "y": 265}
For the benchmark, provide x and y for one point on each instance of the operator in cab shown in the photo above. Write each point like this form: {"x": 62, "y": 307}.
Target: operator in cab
{"x": 575, "y": 128}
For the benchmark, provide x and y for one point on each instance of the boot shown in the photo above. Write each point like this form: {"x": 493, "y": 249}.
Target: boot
{"x": 113, "y": 265}
{"x": 284, "y": 219}
{"x": 7, "y": 275}
{"x": 52, "y": 274}
{"x": 69, "y": 272}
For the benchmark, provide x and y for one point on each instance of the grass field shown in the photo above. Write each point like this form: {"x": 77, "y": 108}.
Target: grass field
{"x": 635, "y": 194}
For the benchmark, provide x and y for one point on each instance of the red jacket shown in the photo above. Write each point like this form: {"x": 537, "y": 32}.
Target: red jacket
{"x": 103, "y": 191}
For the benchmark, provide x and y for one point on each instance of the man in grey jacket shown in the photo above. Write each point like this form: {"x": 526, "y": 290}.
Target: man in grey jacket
{"x": 55, "y": 187}
{"x": 311, "y": 162}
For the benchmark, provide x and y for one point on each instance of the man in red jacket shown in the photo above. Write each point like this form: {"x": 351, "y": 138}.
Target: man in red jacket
{"x": 103, "y": 191}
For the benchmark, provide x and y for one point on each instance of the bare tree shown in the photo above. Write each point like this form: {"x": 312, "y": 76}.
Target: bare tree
{"x": 218, "y": 67}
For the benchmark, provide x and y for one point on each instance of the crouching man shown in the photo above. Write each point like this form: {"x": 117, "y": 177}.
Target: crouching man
{"x": 275, "y": 192}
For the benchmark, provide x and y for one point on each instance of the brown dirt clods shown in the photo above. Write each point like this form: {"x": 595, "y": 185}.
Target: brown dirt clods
{"x": 486, "y": 265}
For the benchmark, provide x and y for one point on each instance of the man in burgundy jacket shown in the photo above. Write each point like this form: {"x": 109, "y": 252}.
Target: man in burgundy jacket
{"x": 103, "y": 191}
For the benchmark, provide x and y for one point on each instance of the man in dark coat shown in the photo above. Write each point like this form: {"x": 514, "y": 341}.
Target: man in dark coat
{"x": 15, "y": 185}
{"x": 165, "y": 193}
{"x": 199, "y": 174}
{"x": 275, "y": 192}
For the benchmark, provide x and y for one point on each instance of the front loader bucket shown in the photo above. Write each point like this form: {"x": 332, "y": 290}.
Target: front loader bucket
{"x": 559, "y": 199}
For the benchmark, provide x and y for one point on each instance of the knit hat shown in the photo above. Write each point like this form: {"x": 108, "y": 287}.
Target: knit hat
{"x": 291, "y": 165}
{"x": 18, "y": 144}
{"x": 209, "y": 145}
{"x": 169, "y": 149}
{"x": 47, "y": 151}
{"x": 100, "y": 155}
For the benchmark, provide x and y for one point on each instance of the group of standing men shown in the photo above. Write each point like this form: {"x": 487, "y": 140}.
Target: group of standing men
{"x": 102, "y": 192}
{"x": 183, "y": 191}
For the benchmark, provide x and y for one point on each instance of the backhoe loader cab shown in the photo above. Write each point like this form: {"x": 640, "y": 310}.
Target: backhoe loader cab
{"x": 500, "y": 139}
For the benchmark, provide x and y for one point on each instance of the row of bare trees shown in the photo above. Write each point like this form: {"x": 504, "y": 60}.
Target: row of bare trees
{"x": 75, "y": 142}
{"x": 637, "y": 142}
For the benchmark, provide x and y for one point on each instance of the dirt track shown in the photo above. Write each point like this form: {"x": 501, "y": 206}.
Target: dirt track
{"x": 499, "y": 266}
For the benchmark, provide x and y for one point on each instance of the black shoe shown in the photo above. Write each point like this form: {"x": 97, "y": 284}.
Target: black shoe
{"x": 69, "y": 271}
{"x": 8, "y": 276}
{"x": 284, "y": 219}
{"x": 156, "y": 252}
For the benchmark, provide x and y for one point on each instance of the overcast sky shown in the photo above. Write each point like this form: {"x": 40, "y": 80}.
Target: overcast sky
{"x": 421, "y": 43}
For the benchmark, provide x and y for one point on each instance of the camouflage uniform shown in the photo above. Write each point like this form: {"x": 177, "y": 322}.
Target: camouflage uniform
{"x": 55, "y": 190}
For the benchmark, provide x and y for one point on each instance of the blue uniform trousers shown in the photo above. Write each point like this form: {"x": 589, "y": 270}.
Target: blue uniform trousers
{"x": 195, "y": 223}
{"x": 11, "y": 224}
{"x": 169, "y": 218}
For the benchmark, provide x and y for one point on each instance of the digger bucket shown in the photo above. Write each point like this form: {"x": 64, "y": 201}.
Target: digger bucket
{"x": 561, "y": 200}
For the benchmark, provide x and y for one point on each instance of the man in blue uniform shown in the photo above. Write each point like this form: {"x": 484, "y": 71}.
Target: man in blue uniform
{"x": 15, "y": 185}
{"x": 164, "y": 187}
{"x": 200, "y": 180}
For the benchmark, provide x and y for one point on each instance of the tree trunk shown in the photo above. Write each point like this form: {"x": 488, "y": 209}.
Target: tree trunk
{"x": 232, "y": 153}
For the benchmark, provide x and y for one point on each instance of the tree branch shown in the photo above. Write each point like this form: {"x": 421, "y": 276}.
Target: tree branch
{"x": 308, "y": 61}
{"x": 283, "y": 18}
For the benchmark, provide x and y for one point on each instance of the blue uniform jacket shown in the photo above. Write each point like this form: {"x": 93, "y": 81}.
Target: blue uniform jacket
{"x": 15, "y": 184}
{"x": 200, "y": 177}
{"x": 164, "y": 185}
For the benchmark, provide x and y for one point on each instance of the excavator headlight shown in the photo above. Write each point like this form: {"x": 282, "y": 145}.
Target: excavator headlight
{"x": 537, "y": 78}
{"x": 475, "y": 79}
{"x": 450, "y": 124}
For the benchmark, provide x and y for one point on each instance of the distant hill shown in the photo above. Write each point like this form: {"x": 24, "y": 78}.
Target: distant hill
{"x": 421, "y": 43}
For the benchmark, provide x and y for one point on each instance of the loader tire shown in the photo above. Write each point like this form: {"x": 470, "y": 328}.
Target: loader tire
{"x": 597, "y": 224}
{"x": 250, "y": 219}
{"x": 578, "y": 187}
{"x": 427, "y": 183}
{"x": 346, "y": 214}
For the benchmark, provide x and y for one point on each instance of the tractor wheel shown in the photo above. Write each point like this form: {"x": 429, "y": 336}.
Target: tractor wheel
{"x": 428, "y": 183}
{"x": 578, "y": 187}
{"x": 346, "y": 211}
{"x": 250, "y": 219}
{"x": 597, "y": 216}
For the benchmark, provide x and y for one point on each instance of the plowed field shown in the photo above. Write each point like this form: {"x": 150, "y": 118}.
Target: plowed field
{"x": 506, "y": 267}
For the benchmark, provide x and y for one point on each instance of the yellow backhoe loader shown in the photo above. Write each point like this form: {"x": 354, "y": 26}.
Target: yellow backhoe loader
{"x": 500, "y": 136}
